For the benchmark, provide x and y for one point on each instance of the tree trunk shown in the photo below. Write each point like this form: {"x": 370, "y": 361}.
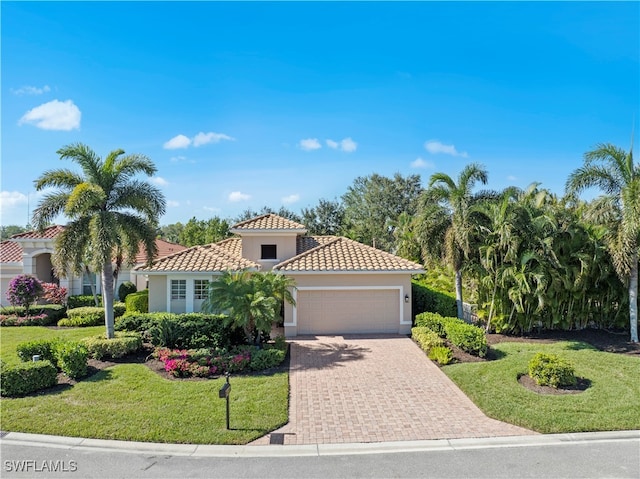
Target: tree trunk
{"x": 633, "y": 297}
{"x": 107, "y": 298}
{"x": 459, "y": 294}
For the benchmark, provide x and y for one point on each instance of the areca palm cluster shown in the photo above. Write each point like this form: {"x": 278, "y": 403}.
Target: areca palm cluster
{"x": 111, "y": 214}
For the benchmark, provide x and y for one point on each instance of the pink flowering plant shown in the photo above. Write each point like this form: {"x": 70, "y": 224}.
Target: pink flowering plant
{"x": 54, "y": 294}
{"x": 204, "y": 363}
{"x": 33, "y": 320}
{"x": 24, "y": 290}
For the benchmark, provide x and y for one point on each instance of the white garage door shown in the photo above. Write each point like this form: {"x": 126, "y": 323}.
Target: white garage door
{"x": 348, "y": 311}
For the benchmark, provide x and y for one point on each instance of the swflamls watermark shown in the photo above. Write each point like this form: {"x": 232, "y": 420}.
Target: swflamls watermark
{"x": 30, "y": 465}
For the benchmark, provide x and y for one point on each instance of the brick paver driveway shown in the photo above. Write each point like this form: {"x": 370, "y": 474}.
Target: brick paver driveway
{"x": 372, "y": 389}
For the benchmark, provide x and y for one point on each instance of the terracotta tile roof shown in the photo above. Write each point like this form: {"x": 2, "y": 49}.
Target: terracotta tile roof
{"x": 48, "y": 233}
{"x": 233, "y": 246}
{"x": 10, "y": 252}
{"x": 201, "y": 258}
{"x": 269, "y": 222}
{"x": 305, "y": 243}
{"x": 343, "y": 254}
{"x": 165, "y": 248}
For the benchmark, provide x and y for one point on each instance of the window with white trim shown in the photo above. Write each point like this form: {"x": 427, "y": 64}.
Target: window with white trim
{"x": 200, "y": 288}
{"x": 178, "y": 289}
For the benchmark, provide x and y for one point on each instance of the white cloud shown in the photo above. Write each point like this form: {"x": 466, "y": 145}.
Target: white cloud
{"x": 236, "y": 196}
{"x": 178, "y": 141}
{"x": 54, "y": 115}
{"x": 421, "y": 163}
{"x": 173, "y": 204}
{"x": 211, "y": 137}
{"x": 309, "y": 144}
{"x": 31, "y": 90}
{"x": 13, "y": 207}
{"x": 9, "y": 199}
{"x": 159, "y": 180}
{"x": 347, "y": 145}
{"x": 287, "y": 200}
{"x": 435, "y": 147}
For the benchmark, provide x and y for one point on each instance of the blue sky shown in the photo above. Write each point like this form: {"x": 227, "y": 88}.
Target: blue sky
{"x": 242, "y": 105}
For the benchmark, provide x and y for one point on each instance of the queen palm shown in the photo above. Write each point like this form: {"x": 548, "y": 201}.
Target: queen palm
{"x": 446, "y": 222}
{"x": 611, "y": 169}
{"x": 109, "y": 211}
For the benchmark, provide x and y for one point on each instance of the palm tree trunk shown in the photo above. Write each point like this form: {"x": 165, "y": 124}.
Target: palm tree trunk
{"x": 459, "y": 293}
{"x": 633, "y": 297}
{"x": 107, "y": 298}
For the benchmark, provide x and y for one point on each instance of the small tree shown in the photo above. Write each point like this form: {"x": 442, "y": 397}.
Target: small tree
{"x": 24, "y": 290}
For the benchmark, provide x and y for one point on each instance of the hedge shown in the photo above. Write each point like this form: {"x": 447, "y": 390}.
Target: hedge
{"x": 467, "y": 337}
{"x": 426, "y": 338}
{"x": 124, "y": 343}
{"x": 40, "y": 315}
{"x": 137, "y": 302}
{"x": 45, "y": 348}
{"x": 71, "y": 358}
{"x": 425, "y": 298}
{"x": 89, "y": 316}
{"x": 25, "y": 378}
{"x": 82, "y": 300}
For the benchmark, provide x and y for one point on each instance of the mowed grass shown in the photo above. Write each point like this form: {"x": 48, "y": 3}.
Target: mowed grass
{"x": 131, "y": 402}
{"x": 612, "y": 402}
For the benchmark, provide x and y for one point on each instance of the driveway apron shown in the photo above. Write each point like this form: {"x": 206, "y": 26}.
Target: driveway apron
{"x": 375, "y": 389}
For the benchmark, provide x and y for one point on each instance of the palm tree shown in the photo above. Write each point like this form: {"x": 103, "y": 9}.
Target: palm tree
{"x": 446, "y": 207}
{"x": 110, "y": 212}
{"x": 251, "y": 301}
{"x": 612, "y": 170}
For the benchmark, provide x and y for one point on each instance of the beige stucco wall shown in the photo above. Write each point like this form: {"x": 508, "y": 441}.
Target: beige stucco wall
{"x": 6, "y": 275}
{"x": 354, "y": 280}
{"x": 157, "y": 293}
{"x": 285, "y": 248}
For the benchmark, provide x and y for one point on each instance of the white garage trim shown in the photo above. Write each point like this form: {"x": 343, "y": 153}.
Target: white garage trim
{"x": 400, "y": 289}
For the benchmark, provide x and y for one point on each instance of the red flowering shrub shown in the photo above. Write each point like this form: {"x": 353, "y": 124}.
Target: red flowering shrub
{"x": 54, "y": 294}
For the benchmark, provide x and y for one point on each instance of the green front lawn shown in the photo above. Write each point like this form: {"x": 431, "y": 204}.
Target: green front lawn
{"x": 131, "y": 402}
{"x": 612, "y": 402}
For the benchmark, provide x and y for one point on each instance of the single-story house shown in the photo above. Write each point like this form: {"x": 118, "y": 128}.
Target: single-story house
{"x": 30, "y": 253}
{"x": 342, "y": 286}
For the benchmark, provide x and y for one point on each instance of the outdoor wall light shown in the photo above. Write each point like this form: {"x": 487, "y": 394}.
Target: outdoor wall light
{"x": 406, "y": 298}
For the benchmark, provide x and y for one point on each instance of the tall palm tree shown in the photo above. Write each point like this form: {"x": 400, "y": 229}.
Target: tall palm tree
{"x": 612, "y": 170}
{"x": 109, "y": 211}
{"x": 446, "y": 207}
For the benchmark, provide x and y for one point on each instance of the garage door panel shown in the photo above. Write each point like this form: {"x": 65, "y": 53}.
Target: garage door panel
{"x": 348, "y": 311}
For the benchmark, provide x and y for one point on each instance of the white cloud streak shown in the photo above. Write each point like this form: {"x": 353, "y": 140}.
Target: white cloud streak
{"x": 287, "y": 200}
{"x": 54, "y": 115}
{"x": 309, "y": 144}
{"x": 211, "y": 137}
{"x": 177, "y": 142}
{"x": 159, "y": 180}
{"x": 31, "y": 90}
{"x": 435, "y": 147}
{"x": 236, "y": 196}
{"x": 173, "y": 204}
{"x": 346, "y": 144}
{"x": 421, "y": 163}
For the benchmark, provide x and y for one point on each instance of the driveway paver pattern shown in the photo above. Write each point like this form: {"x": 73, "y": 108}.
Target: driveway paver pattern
{"x": 375, "y": 389}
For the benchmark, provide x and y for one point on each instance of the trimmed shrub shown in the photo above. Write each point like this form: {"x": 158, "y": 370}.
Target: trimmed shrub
{"x": 134, "y": 321}
{"x": 426, "y": 338}
{"x": 82, "y": 300}
{"x": 125, "y": 289}
{"x": 433, "y": 321}
{"x": 138, "y": 302}
{"x": 119, "y": 308}
{"x": 440, "y": 354}
{"x": 552, "y": 370}
{"x": 45, "y": 348}
{"x": 425, "y": 298}
{"x": 26, "y": 378}
{"x": 39, "y": 315}
{"x": 124, "y": 343}
{"x": 266, "y": 358}
{"x": 37, "y": 320}
{"x": 71, "y": 358}
{"x": 84, "y": 316}
{"x": 467, "y": 337}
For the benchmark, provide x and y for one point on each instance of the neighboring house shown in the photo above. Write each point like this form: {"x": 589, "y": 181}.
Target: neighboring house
{"x": 30, "y": 253}
{"x": 342, "y": 286}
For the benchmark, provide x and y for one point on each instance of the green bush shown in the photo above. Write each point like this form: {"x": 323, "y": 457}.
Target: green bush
{"x": 138, "y": 302}
{"x": 552, "y": 370}
{"x": 124, "y": 343}
{"x": 165, "y": 333}
{"x": 43, "y": 347}
{"x": 71, "y": 358}
{"x": 425, "y": 298}
{"x": 82, "y": 300}
{"x": 266, "y": 358}
{"x": 433, "y": 321}
{"x": 119, "y": 309}
{"x": 53, "y": 312}
{"x": 25, "y": 378}
{"x": 125, "y": 289}
{"x": 426, "y": 338}
{"x": 88, "y": 314}
{"x": 441, "y": 354}
{"x": 467, "y": 337}
{"x": 134, "y": 321}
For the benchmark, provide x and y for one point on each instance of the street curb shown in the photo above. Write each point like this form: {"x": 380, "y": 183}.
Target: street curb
{"x": 76, "y": 443}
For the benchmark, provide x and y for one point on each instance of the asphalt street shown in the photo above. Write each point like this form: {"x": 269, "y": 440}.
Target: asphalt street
{"x": 588, "y": 455}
